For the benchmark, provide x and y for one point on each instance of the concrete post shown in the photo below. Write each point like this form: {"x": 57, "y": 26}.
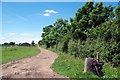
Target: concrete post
{"x": 87, "y": 64}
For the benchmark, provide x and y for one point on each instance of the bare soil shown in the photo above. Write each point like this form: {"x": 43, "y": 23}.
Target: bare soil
{"x": 38, "y": 66}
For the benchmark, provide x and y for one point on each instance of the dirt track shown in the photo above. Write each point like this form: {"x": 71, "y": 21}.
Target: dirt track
{"x": 35, "y": 67}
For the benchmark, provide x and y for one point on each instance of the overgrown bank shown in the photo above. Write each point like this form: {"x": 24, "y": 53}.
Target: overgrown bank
{"x": 72, "y": 67}
{"x": 94, "y": 29}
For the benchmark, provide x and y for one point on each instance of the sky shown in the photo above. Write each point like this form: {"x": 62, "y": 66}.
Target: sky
{"x": 59, "y": 0}
{"x": 24, "y": 21}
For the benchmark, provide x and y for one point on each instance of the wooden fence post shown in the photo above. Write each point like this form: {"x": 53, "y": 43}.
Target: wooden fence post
{"x": 87, "y": 64}
{"x": 98, "y": 57}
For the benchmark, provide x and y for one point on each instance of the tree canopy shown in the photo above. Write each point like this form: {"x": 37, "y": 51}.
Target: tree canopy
{"x": 94, "y": 29}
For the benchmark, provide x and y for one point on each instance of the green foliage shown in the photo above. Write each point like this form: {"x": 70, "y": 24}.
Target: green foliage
{"x": 53, "y": 34}
{"x": 6, "y": 44}
{"x": 94, "y": 29}
{"x": 111, "y": 72}
{"x": 72, "y": 48}
{"x": 71, "y": 67}
{"x": 117, "y": 11}
{"x": 12, "y": 43}
{"x": 33, "y": 43}
{"x": 65, "y": 46}
{"x": 9, "y": 44}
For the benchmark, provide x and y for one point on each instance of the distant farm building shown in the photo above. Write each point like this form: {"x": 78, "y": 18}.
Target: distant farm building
{"x": 24, "y": 44}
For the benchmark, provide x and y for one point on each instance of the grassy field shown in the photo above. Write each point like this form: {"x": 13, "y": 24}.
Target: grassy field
{"x": 15, "y": 53}
{"x": 72, "y": 67}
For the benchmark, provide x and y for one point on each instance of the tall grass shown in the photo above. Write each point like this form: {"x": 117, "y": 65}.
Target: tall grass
{"x": 67, "y": 65}
{"x": 71, "y": 67}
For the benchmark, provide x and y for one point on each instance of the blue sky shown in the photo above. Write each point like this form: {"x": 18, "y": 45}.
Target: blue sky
{"x": 24, "y": 21}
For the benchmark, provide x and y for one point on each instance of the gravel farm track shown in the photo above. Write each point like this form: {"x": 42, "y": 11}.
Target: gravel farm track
{"x": 38, "y": 66}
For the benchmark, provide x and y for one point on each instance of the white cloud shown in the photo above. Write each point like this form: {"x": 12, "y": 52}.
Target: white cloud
{"x": 12, "y": 33}
{"x": 46, "y": 14}
{"x": 50, "y": 11}
{"x": 27, "y": 34}
{"x": 22, "y": 34}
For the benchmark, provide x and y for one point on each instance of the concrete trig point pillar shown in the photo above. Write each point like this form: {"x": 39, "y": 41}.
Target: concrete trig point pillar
{"x": 87, "y": 64}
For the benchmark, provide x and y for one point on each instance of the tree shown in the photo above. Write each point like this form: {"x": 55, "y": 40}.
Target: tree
{"x": 117, "y": 12}
{"x": 94, "y": 29}
{"x": 6, "y": 44}
{"x": 12, "y": 44}
{"x": 33, "y": 43}
{"x": 52, "y": 34}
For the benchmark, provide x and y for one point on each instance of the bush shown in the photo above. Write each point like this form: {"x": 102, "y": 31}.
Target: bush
{"x": 72, "y": 48}
{"x": 65, "y": 46}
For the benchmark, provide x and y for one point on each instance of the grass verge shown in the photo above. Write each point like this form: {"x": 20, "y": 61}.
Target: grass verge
{"x": 15, "y": 53}
{"x": 72, "y": 67}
